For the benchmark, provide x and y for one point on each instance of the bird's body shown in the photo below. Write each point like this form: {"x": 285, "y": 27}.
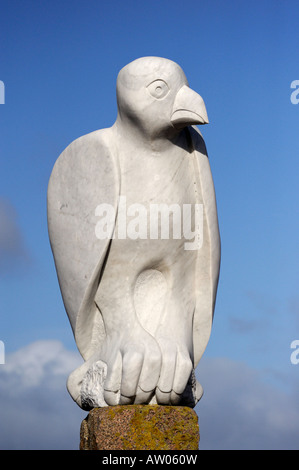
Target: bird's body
{"x": 144, "y": 304}
{"x": 151, "y": 281}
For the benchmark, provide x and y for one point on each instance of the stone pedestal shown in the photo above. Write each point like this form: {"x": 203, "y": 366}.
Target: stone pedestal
{"x": 140, "y": 427}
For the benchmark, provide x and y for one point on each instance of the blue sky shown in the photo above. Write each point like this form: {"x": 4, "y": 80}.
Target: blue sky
{"x": 59, "y": 63}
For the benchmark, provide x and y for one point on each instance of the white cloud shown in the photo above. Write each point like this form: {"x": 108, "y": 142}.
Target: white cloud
{"x": 36, "y": 411}
{"x": 238, "y": 410}
{"x": 32, "y": 364}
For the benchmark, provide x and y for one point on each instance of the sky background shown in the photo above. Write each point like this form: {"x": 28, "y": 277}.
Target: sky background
{"x": 59, "y": 61}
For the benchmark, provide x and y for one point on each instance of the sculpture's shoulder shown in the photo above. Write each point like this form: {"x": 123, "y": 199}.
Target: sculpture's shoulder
{"x": 84, "y": 174}
{"x": 101, "y": 137}
{"x": 84, "y": 151}
{"x": 87, "y": 163}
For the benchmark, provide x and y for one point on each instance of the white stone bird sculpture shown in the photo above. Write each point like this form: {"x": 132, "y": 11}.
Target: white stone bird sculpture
{"x": 140, "y": 304}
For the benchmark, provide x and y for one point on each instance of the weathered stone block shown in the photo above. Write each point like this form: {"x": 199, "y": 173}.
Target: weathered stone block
{"x": 140, "y": 427}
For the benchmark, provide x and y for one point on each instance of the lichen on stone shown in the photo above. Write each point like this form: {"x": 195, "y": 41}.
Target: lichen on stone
{"x": 140, "y": 427}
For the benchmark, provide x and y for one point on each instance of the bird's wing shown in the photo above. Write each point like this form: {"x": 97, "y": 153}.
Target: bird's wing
{"x": 208, "y": 260}
{"x": 84, "y": 176}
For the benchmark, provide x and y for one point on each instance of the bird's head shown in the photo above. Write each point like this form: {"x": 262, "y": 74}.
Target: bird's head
{"x": 153, "y": 96}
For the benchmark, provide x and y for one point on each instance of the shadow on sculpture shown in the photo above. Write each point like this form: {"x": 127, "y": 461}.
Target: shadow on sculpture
{"x": 133, "y": 228}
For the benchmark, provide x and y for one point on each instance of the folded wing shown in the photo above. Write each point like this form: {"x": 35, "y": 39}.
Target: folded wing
{"x": 208, "y": 260}
{"x": 84, "y": 176}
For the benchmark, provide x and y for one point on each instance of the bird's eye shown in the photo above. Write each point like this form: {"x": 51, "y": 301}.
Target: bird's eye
{"x": 158, "y": 89}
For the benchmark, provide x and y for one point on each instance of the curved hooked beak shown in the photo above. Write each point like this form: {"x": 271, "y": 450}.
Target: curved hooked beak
{"x": 188, "y": 108}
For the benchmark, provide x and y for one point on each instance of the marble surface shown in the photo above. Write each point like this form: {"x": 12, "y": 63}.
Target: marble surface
{"x": 134, "y": 232}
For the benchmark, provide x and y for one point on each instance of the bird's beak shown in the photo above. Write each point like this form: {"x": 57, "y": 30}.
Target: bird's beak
{"x": 188, "y": 108}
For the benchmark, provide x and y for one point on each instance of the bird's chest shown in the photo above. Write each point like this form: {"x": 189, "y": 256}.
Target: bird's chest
{"x": 156, "y": 211}
{"x": 158, "y": 178}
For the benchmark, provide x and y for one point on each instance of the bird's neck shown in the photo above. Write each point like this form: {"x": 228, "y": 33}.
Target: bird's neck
{"x": 134, "y": 137}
